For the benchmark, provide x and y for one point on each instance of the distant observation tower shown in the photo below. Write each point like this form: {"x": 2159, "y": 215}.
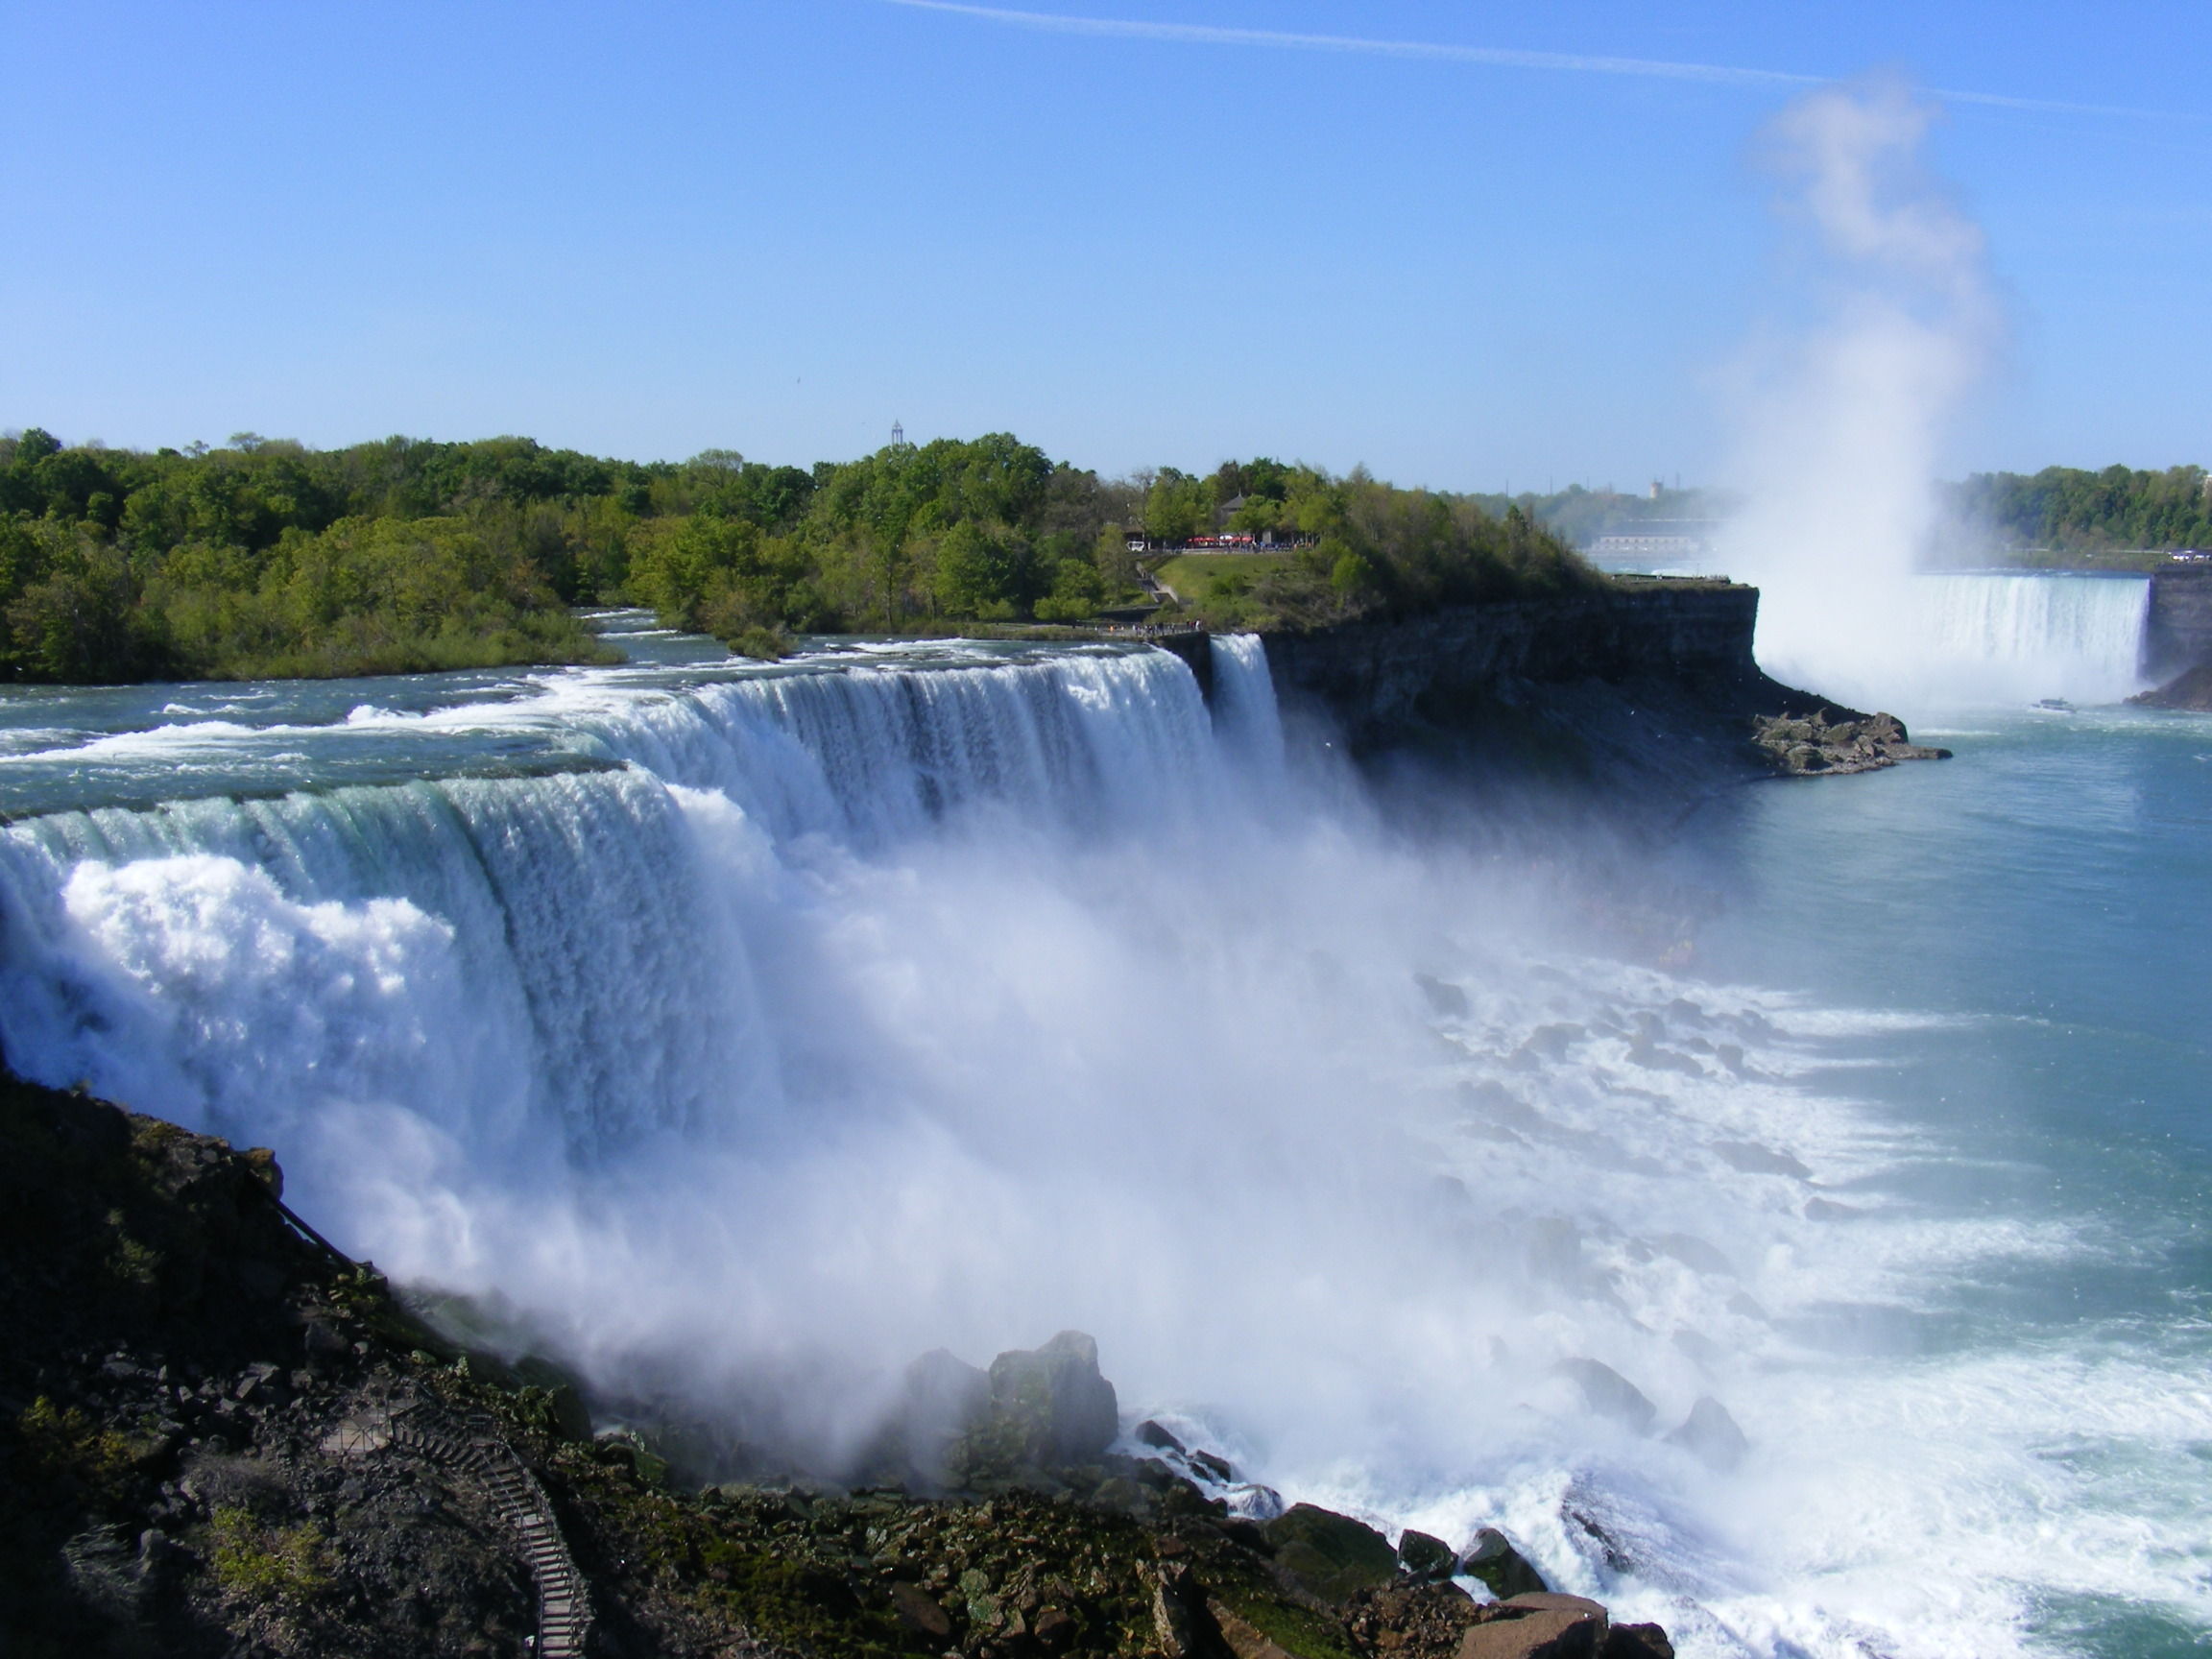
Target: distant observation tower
{"x": 898, "y": 434}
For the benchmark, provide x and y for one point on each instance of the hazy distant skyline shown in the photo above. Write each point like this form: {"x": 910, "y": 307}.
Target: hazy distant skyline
{"x": 1469, "y": 247}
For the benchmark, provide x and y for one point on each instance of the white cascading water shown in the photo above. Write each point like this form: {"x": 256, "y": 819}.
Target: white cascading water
{"x": 1967, "y": 639}
{"x": 868, "y": 1006}
{"x": 2079, "y": 638}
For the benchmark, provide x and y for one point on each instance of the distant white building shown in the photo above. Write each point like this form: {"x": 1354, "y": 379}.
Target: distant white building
{"x": 1646, "y": 544}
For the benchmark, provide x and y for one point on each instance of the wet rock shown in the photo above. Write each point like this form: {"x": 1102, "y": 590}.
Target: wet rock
{"x": 1123, "y": 1494}
{"x": 1493, "y": 1560}
{"x": 1211, "y": 1463}
{"x": 1827, "y": 1210}
{"x": 1837, "y": 741}
{"x": 921, "y": 1611}
{"x": 2190, "y": 690}
{"x": 1048, "y": 1408}
{"x": 1331, "y": 1555}
{"x": 572, "y": 1420}
{"x": 1250, "y": 1533}
{"x": 942, "y": 1400}
{"x": 1756, "y": 1160}
{"x": 1700, "y": 1347}
{"x": 1446, "y": 999}
{"x": 1608, "y": 1393}
{"x": 1056, "y": 1631}
{"x": 1637, "y": 1641}
{"x": 1172, "y": 1626}
{"x": 1709, "y": 1435}
{"x": 1426, "y": 1559}
{"x": 1411, "y": 1621}
{"x": 1695, "y": 1253}
{"x": 1151, "y": 1434}
{"x": 1243, "y": 1638}
{"x": 1539, "y": 1626}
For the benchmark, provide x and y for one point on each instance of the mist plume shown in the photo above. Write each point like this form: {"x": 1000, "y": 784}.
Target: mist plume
{"x": 1847, "y": 405}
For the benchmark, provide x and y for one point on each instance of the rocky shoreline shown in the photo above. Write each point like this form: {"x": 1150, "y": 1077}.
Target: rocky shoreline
{"x": 224, "y": 1438}
{"x": 2189, "y": 691}
{"x": 1836, "y": 742}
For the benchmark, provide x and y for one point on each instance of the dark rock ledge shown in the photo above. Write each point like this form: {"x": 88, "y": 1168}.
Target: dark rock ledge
{"x": 1643, "y": 691}
{"x": 220, "y": 1437}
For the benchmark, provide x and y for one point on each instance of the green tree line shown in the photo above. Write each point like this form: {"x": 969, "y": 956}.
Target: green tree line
{"x": 2067, "y": 509}
{"x": 264, "y": 557}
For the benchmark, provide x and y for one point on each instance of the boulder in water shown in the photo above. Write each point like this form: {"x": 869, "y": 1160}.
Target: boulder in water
{"x": 1446, "y": 999}
{"x": 1427, "y": 1559}
{"x": 1756, "y": 1160}
{"x": 1493, "y": 1560}
{"x": 1711, "y": 1435}
{"x": 1608, "y": 1393}
{"x": 1151, "y": 1434}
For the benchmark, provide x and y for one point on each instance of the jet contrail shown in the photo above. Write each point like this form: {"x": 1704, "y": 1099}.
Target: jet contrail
{"x": 1496, "y": 56}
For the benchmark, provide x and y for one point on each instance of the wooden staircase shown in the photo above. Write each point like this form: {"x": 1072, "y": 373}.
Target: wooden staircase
{"x": 476, "y": 1448}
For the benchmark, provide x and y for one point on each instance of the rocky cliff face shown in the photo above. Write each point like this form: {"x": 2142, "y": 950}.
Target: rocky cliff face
{"x": 2178, "y": 633}
{"x": 1652, "y": 682}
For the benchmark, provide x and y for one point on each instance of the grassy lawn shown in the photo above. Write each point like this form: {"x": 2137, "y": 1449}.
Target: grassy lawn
{"x": 1191, "y": 575}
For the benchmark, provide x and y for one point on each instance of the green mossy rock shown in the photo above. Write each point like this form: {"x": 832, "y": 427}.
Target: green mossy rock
{"x": 1427, "y": 1559}
{"x": 1331, "y": 1555}
{"x": 1048, "y": 1408}
{"x": 1494, "y": 1560}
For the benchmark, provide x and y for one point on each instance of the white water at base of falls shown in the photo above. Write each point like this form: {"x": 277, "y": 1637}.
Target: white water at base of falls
{"x": 806, "y": 1019}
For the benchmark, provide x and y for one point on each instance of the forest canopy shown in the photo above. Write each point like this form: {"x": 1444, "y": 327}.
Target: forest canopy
{"x": 2063, "y": 511}
{"x": 264, "y": 557}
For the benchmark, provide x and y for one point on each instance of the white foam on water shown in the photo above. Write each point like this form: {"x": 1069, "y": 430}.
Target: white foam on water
{"x": 867, "y": 1008}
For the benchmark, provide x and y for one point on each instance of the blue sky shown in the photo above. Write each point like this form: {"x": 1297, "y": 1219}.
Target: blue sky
{"x": 778, "y": 227}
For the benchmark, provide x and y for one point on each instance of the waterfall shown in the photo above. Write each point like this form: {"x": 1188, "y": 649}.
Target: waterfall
{"x": 1245, "y": 717}
{"x": 539, "y": 965}
{"x": 871, "y": 755}
{"x": 2070, "y": 635}
{"x": 1959, "y": 640}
